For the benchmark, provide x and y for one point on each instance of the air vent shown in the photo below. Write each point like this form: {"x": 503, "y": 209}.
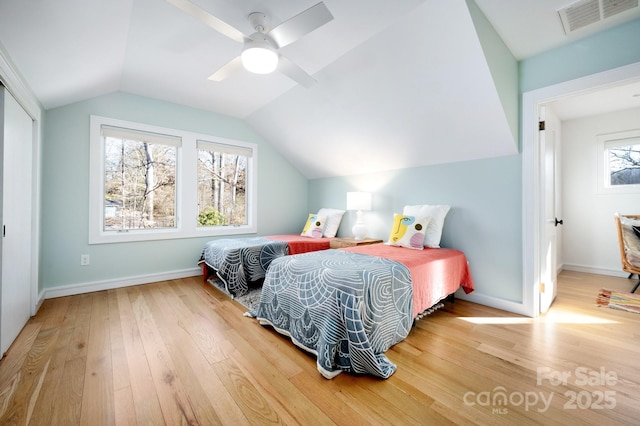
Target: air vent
{"x": 586, "y": 12}
{"x": 613, "y": 7}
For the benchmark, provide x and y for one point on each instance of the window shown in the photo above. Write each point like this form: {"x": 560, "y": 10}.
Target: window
{"x": 151, "y": 183}
{"x": 222, "y": 175}
{"x": 624, "y": 164}
{"x": 139, "y": 180}
{"x": 619, "y": 165}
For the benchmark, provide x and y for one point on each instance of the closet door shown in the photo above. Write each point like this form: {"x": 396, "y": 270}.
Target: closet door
{"x": 17, "y": 162}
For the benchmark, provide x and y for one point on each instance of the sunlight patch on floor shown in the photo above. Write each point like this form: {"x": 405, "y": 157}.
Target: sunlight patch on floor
{"x": 554, "y": 316}
{"x": 560, "y": 316}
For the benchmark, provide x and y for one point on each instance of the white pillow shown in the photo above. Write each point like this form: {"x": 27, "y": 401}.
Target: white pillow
{"x": 434, "y": 229}
{"x": 334, "y": 217}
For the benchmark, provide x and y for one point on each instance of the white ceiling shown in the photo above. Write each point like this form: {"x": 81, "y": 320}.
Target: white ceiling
{"x": 609, "y": 99}
{"x": 395, "y": 79}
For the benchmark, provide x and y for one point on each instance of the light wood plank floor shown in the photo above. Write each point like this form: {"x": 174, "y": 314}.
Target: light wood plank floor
{"x": 180, "y": 352}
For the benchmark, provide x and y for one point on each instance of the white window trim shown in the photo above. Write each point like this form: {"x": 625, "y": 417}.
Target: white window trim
{"x": 186, "y": 187}
{"x": 603, "y": 141}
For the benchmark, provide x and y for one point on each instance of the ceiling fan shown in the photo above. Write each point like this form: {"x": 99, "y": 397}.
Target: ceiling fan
{"x": 260, "y": 50}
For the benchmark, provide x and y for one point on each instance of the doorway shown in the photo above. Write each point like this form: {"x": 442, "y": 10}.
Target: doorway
{"x": 550, "y": 208}
{"x": 533, "y": 168}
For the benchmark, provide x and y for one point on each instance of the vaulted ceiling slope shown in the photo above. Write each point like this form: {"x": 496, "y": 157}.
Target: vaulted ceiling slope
{"x": 419, "y": 92}
{"x": 400, "y": 84}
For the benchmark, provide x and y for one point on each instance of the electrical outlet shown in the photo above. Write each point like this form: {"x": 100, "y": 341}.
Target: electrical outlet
{"x": 84, "y": 259}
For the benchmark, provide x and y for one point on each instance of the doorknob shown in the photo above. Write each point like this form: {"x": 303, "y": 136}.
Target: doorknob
{"x": 558, "y": 222}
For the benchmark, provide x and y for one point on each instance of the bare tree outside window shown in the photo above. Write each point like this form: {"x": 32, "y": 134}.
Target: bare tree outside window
{"x": 151, "y": 183}
{"x": 221, "y": 188}
{"x": 624, "y": 164}
{"x": 139, "y": 185}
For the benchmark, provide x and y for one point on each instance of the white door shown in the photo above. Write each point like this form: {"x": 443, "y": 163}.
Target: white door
{"x": 16, "y": 144}
{"x": 548, "y": 257}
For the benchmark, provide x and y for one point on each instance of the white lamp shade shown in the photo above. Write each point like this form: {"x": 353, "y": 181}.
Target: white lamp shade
{"x": 259, "y": 57}
{"x": 359, "y": 201}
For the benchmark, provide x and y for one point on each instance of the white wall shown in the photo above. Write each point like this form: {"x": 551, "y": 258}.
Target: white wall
{"x": 590, "y": 241}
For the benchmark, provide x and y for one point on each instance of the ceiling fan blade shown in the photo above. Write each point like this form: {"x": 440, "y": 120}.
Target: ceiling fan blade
{"x": 227, "y": 69}
{"x": 294, "y": 72}
{"x": 208, "y": 19}
{"x": 301, "y": 24}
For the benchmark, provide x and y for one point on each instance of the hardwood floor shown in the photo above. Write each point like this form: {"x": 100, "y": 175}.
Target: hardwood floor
{"x": 180, "y": 352}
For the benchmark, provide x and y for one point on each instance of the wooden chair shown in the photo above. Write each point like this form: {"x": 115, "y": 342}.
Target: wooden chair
{"x": 627, "y": 266}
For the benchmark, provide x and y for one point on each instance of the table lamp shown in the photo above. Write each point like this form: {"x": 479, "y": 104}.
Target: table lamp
{"x": 359, "y": 201}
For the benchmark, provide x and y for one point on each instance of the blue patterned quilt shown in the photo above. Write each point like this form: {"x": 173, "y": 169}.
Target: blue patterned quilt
{"x": 239, "y": 261}
{"x": 347, "y": 308}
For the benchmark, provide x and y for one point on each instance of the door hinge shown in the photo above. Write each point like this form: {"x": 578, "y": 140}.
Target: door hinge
{"x": 541, "y": 125}
{"x": 541, "y": 285}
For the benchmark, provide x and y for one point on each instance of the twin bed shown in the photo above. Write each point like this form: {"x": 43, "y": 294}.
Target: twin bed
{"x": 348, "y": 306}
{"x": 239, "y": 262}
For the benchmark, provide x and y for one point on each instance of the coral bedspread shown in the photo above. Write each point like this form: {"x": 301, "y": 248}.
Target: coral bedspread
{"x": 298, "y": 244}
{"x": 435, "y": 272}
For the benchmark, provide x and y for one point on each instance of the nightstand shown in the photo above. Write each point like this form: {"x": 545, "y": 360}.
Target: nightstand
{"x": 350, "y": 242}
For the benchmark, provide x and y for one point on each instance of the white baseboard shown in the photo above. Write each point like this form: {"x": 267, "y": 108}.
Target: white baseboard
{"x": 72, "y": 289}
{"x": 592, "y": 270}
{"x": 494, "y": 302}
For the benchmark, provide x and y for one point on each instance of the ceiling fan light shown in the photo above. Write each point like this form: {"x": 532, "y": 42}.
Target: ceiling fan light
{"x": 259, "y": 59}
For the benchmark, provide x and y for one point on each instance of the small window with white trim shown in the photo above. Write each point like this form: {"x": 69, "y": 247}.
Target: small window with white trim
{"x": 139, "y": 179}
{"x": 151, "y": 183}
{"x": 619, "y": 164}
{"x": 222, "y": 184}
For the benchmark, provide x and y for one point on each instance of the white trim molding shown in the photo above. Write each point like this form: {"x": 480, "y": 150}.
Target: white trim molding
{"x": 13, "y": 81}
{"x": 597, "y": 271}
{"x": 81, "y": 288}
{"x": 494, "y": 302}
{"x": 11, "y": 78}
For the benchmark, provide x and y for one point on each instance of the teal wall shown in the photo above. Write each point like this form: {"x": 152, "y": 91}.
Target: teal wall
{"x": 601, "y": 52}
{"x": 503, "y": 66}
{"x": 65, "y": 189}
{"x": 486, "y": 195}
{"x": 484, "y": 221}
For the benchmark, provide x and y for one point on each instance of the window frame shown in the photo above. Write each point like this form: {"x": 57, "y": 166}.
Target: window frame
{"x": 606, "y": 141}
{"x": 186, "y": 186}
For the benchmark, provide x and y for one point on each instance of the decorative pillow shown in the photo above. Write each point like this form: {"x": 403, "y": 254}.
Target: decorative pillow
{"x": 314, "y": 226}
{"x": 408, "y": 231}
{"x": 334, "y": 217}
{"x": 434, "y": 230}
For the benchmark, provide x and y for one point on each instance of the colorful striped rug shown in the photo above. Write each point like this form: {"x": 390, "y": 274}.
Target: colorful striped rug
{"x": 624, "y": 301}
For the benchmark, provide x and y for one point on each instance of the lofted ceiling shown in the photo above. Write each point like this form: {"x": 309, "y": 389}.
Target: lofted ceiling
{"x": 400, "y": 84}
